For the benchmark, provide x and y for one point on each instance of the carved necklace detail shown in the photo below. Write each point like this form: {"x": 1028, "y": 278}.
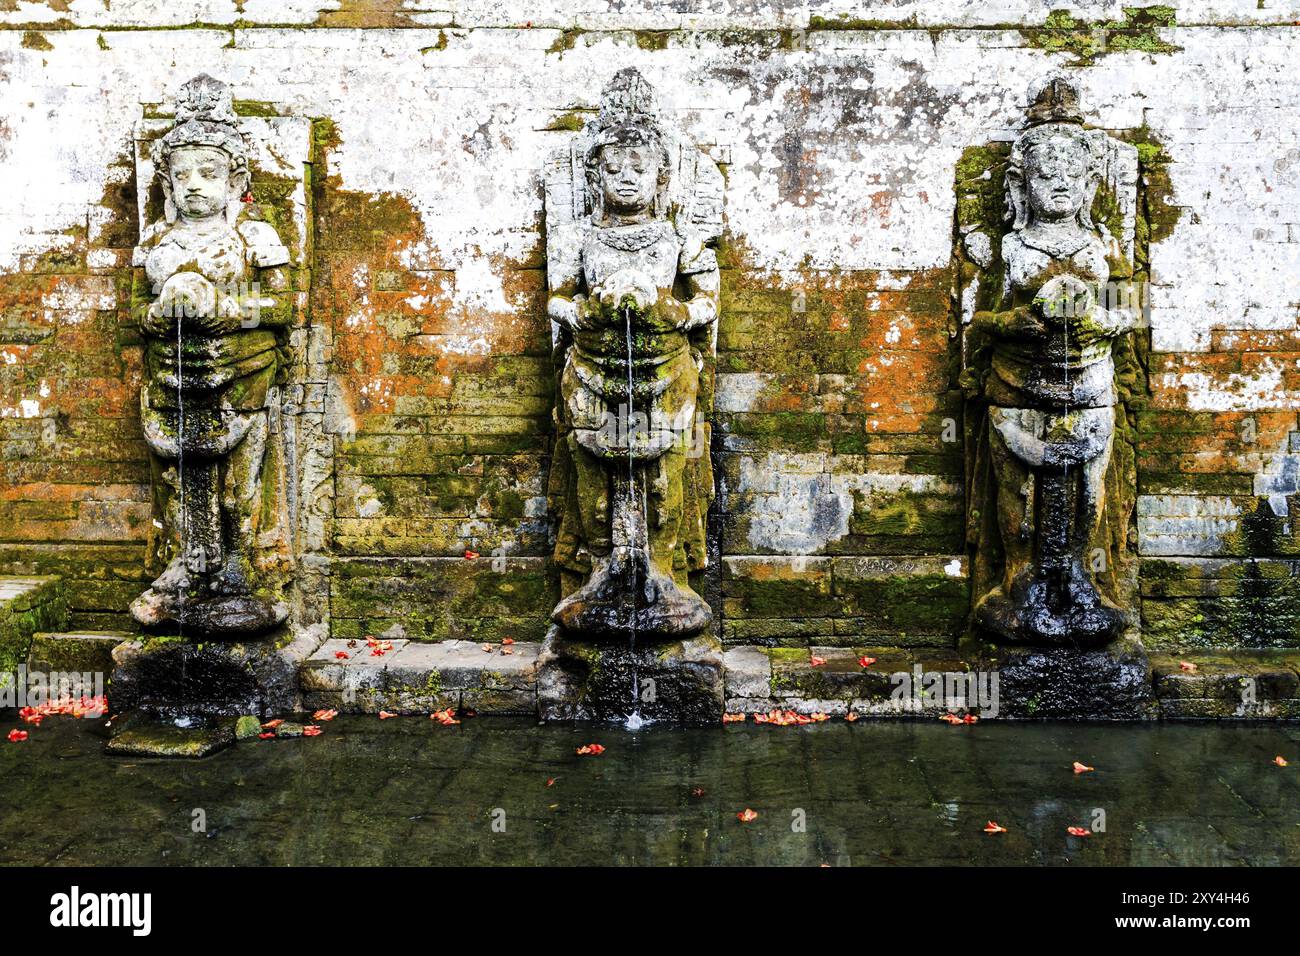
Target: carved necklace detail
{"x": 1056, "y": 245}
{"x": 632, "y": 238}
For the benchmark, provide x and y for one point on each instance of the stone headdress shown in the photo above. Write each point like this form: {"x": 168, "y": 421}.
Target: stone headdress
{"x": 628, "y": 117}
{"x": 205, "y": 116}
{"x": 690, "y": 191}
{"x": 1055, "y": 112}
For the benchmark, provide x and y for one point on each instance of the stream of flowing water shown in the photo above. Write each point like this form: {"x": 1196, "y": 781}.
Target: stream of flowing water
{"x": 182, "y": 523}
{"x": 634, "y": 720}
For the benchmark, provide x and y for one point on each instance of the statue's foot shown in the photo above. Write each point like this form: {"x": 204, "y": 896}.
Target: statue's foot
{"x": 155, "y": 608}
{"x": 230, "y": 580}
{"x": 627, "y": 595}
{"x": 223, "y": 617}
{"x": 1036, "y": 614}
{"x": 175, "y": 579}
{"x": 674, "y": 610}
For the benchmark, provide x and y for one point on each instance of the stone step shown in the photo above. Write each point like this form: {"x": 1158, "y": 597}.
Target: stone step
{"x": 419, "y": 677}
{"x": 27, "y": 605}
{"x": 758, "y": 679}
{"x": 75, "y": 651}
{"x": 1221, "y": 685}
{"x": 1227, "y": 684}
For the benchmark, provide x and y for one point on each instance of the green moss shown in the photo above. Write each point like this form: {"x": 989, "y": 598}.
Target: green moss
{"x": 786, "y": 431}
{"x": 255, "y": 108}
{"x": 816, "y": 22}
{"x": 652, "y": 39}
{"x": 573, "y": 121}
{"x": 438, "y": 47}
{"x": 567, "y": 40}
{"x": 1087, "y": 41}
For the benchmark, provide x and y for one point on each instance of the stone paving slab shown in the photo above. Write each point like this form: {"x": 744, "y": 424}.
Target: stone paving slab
{"x": 19, "y": 591}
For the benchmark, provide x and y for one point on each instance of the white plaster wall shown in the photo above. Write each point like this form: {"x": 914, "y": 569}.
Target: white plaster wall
{"x": 879, "y": 117}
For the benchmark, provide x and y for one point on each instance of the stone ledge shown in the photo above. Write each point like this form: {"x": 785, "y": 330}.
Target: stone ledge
{"x": 28, "y": 604}
{"x": 422, "y": 677}
{"x": 1265, "y": 675}
{"x": 758, "y": 679}
{"x": 77, "y": 651}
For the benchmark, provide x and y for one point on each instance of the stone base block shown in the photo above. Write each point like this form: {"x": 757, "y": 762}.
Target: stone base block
{"x": 175, "y": 677}
{"x": 1228, "y": 685}
{"x": 1111, "y": 683}
{"x": 143, "y": 735}
{"x": 79, "y": 652}
{"x": 27, "y": 605}
{"x": 674, "y": 682}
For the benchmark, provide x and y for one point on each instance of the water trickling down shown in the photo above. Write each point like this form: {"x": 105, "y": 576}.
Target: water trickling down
{"x": 634, "y": 721}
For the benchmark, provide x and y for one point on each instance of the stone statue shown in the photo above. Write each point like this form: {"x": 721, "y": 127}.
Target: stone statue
{"x": 210, "y": 272}
{"x": 631, "y": 208}
{"x": 1049, "y": 383}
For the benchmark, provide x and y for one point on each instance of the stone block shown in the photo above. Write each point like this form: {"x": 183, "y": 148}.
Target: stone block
{"x": 674, "y": 682}
{"x": 27, "y": 605}
{"x": 79, "y": 652}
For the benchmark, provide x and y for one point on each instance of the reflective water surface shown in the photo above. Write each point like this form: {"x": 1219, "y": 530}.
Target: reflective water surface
{"x": 409, "y": 791}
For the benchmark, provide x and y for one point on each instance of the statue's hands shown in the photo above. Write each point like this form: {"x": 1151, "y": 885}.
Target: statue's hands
{"x": 228, "y": 316}
{"x": 157, "y": 320}
{"x": 1066, "y": 301}
{"x": 1021, "y": 322}
{"x": 628, "y": 287}
{"x": 587, "y": 313}
{"x": 185, "y": 296}
{"x": 671, "y": 311}
{"x": 1101, "y": 325}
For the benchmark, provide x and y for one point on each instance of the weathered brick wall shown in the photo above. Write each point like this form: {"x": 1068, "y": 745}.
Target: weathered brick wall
{"x": 839, "y": 126}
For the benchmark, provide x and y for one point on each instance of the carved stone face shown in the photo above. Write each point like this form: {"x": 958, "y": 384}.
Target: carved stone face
{"x": 200, "y": 181}
{"x": 629, "y": 176}
{"x": 1056, "y": 174}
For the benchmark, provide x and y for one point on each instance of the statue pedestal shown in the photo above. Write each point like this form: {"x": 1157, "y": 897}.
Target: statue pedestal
{"x": 174, "y": 682}
{"x": 672, "y": 682}
{"x": 1110, "y": 683}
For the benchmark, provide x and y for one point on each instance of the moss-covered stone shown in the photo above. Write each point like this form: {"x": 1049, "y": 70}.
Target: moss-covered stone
{"x": 247, "y": 727}
{"x": 27, "y": 605}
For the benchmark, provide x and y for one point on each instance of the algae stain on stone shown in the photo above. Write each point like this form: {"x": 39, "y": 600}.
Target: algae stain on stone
{"x": 35, "y": 40}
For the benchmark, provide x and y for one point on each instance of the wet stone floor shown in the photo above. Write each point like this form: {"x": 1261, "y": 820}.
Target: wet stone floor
{"x": 408, "y": 791}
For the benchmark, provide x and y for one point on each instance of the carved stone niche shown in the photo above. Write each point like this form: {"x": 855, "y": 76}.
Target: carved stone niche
{"x": 632, "y": 210}
{"x": 1049, "y": 300}
{"x": 231, "y": 401}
